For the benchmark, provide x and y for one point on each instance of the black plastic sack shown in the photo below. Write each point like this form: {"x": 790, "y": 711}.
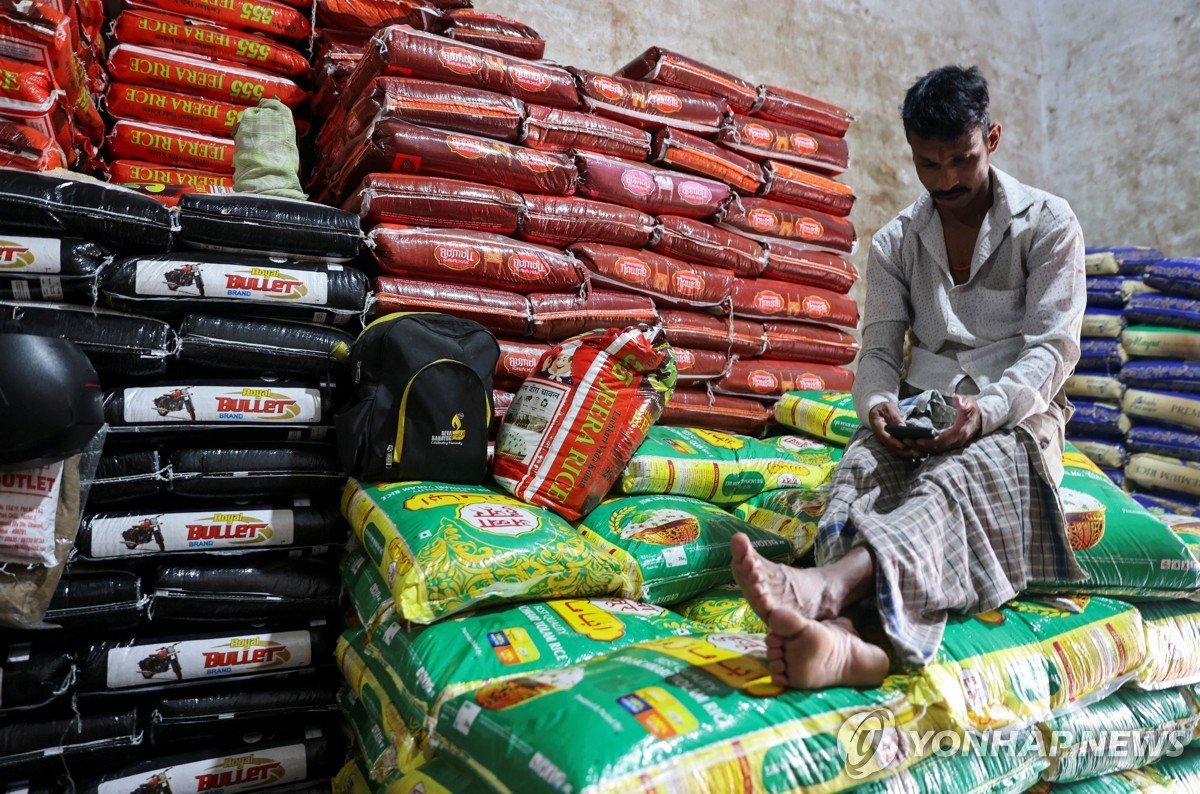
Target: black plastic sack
{"x": 238, "y": 344}
{"x": 76, "y": 740}
{"x": 228, "y": 529}
{"x": 32, "y": 677}
{"x": 250, "y": 590}
{"x": 96, "y": 600}
{"x": 268, "y": 225}
{"x": 245, "y": 285}
{"x": 113, "y": 216}
{"x": 48, "y": 268}
{"x": 117, "y": 344}
{"x": 262, "y": 471}
{"x": 127, "y": 475}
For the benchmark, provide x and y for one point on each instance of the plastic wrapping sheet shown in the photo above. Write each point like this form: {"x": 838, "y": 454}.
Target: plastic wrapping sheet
{"x": 561, "y": 221}
{"x": 492, "y": 31}
{"x": 792, "y": 107}
{"x": 686, "y": 152}
{"x": 710, "y": 332}
{"x": 697, "y": 408}
{"x": 797, "y": 341}
{"x": 261, "y": 16}
{"x": 503, "y": 312}
{"x": 255, "y": 472}
{"x": 769, "y": 220}
{"x": 759, "y": 139}
{"x": 1178, "y": 276}
{"x": 211, "y": 79}
{"x": 432, "y": 201}
{"x": 769, "y": 379}
{"x": 558, "y": 130}
{"x": 670, "y": 282}
{"x": 658, "y": 65}
{"x": 1151, "y": 341}
{"x": 793, "y": 185}
{"x": 702, "y": 244}
{"x": 557, "y": 316}
{"x": 767, "y": 299}
{"x": 269, "y": 225}
{"x": 243, "y": 590}
{"x": 656, "y": 191}
{"x": 247, "y": 345}
{"x": 170, "y": 146}
{"x": 649, "y": 106}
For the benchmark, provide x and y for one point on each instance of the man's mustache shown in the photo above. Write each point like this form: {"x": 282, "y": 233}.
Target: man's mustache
{"x": 948, "y": 194}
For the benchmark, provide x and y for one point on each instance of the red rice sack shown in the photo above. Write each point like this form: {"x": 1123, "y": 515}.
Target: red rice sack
{"x": 49, "y": 119}
{"x": 698, "y": 366}
{"x": 664, "y": 67}
{"x": 400, "y": 50}
{"x": 809, "y": 342}
{"x": 28, "y": 149}
{"x": 493, "y": 32}
{"x": 767, "y": 220}
{"x": 706, "y": 332}
{"x": 802, "y": 265}
{"x": 32, "y": 83}
{"x": 649, "y": 106}
{"x": 558, "y": 130}
{"x": 142, "y": 103}
{"x": 765, "y": 299}
{"x": 667, "y": 280}
{"x": 518, "y": 360}
{"x": 685, "y": 152}
{"x": 134, "y": 172}
{"x": 791, "y": 107}
{"x": 764, "y": 378}
{"x": 474, "y": 258}
{"x": 652, "y": 190}
{"x": 263, "y": 16}
{"x": 758, "y": 139}
{"x": 504, "y": 313}
{"x": 698, "y": 408}
{"x": 559, "y": 315}
{"x": 154, "y": 143}
{"x": 793, "y": 185}
{"x": 429, "y": 201}
{"x": 218, "y": 80}
{"x": 578, "y": 420}
{"x": 364, "y": 17}
{"x": 702, "y": 244}
{"x": 198, "y": 37}
{"x": 561, "y": 221}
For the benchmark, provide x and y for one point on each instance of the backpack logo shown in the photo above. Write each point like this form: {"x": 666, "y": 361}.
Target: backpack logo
{"x": 455, "y": 436}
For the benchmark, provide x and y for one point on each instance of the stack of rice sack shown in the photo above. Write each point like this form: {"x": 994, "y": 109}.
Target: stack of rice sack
{"x": 199, "y": 610}
{"x": 183, "y": 71}
{"x": 50, "y": 74}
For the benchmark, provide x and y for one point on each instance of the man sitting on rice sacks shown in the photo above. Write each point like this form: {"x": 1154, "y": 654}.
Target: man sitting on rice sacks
{"x": 987, "y": 275}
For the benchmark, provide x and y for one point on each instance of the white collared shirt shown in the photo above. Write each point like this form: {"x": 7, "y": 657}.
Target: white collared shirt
{"x": 1013, "y": 327}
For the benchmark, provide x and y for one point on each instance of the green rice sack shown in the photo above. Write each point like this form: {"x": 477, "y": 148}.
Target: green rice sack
{"x": 1158, "y": 473}
{"x": 672, "y": 547}
{"x": 723, "y": 609}
{"x": 368, "y": 591}
{"x": 1172, "y": 645}
{"x": 354, "y": 778}
{"x": 793, "y": 513}
{"x": 1094, "y": 387}
{"x": 822, "y": 414}
{"x": 1134, "y": 781}
{"x": 1172, "y": 408}
{"x": 1187, "y": 528}
{"x": 445, "y": 548}
{"x": 998, "y": 763}
{"x": 439, "y": 776}
{"x": 723, "y": 468}
{"x": 1182, "y": 770}
{"x": 369, "y": 739}
{"x": 1152, "y": 341}
{"x": 685, "y": 715}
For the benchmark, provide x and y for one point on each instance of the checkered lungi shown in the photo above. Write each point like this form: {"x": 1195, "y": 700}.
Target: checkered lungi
{"x": 963, "y": 531}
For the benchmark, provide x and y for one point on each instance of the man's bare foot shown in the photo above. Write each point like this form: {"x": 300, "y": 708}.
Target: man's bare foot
{"x": 810, "y": 654}
{"x": 769, "y": 586}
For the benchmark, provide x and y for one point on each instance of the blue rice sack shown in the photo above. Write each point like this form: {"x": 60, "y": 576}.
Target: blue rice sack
{"x": 1161, "y": 309}
{"x": 1132, "y": 260}
{"x": 1181, "y": 376}
{"x": 1094, "y": 386}
{"x": 1101, "y": 263}
{"x": 1167, "y": 505}
{"x": 1106, "y": 292}
{"x": 1176, "y": 276}
{"x": 1102, "y": 324}
{"x": 1164, "y": 441}
{"x": 1170, "y": 408}
{"x": 1101, "y": 355}
{"x": 1098, "y": 420}
{"x": 1116, "y": 475}
{"x": 1156, "y": 341}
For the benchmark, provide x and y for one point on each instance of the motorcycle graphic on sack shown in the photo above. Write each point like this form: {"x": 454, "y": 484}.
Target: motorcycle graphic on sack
{"x": 162, "y": 660}
{"x": 145, "y": 531}
{"x": 158, "y": 783}
{"x": 187, "y": 275}
{"x": 174, "y": 401}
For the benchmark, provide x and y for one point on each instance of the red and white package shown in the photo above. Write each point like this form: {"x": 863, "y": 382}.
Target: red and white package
{"x": 759, "y": 139}
{"x": 503, "y": 313}
{"x": 28, "y": 149}
{"x": 364, "y": 17}
{"x": 652, "y": 190}
{"x": 29, "y": 97}
{"x": 668, "y": 281}
{"x": 686, "y": 152}
{"x": 401, "y": 50}
{"x": 802, "y": 265}
{"x": 699, "y": 243}
{"x": 809, "y": 342}
{"x": 697, "y": 366}
{"x": 154, "y": 143}
{"x": 576, "y": 422}
{"x": 796, "y": 186}
{"x": 501, "y": 401}
{"x": 559, "y": 315}
{"x": 142, "y": 103}
{"x": 262, "y": 16}
{"x": 708, "y": 332}
{"x": 474, "y": 258}
{"x": 769, "y": 379}
{"x": 492, "y": 31}
{"x": 664, "y": 67}
{"x": 28, "y": 514}
{"x": 699, "y": 408}
{"x": 649, "y": 106}
{"x": 209, "y": 40}
{"x": 431, "y": 201}
{"x": 190, "y": 74}
{"x": 764, "y": 299}
{"x": 558, "y": 130}
{"x": 128, "y": 172}
{"x": 766, "y": 220}
{"x": 518, "y": 360}
{"x": 564, "y": 220}
{"x": 792, "y": 107}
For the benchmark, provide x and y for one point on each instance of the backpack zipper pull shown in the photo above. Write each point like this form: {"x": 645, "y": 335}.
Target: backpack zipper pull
{"x": 387, "y": 462}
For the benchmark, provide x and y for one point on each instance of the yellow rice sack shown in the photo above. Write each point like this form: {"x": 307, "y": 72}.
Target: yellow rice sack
{"x": 794, "y": 513}
{"x": 1158, "y": 473}
{"x": 822, "y": 414}
{"x": 723, "y": 609}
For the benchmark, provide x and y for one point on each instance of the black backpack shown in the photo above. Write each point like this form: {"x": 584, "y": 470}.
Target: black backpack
{"x": 422, "y": 400}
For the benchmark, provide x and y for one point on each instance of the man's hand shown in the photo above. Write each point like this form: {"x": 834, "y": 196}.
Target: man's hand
{"x": 966, "y": 428}
{"x": 889, "y": 414}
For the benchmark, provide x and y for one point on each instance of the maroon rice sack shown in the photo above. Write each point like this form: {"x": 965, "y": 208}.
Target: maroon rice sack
{"x": 493, "y": 32}
{"x": 765, "y": 299}
{"x": 791, "y": 107}
{"x": 501, "y": 402}
{"x": 431, "y": 201}
{"x": 558, "y": 315}
{"x": 793, "y": 185}
{"x": 263, "y": 16}
{"x": 561, "y": 221}
{"x": 809, "y": 342}
{"x": 698, "y": 408}
{"x": 171, "y": 71}
{"x": 647, "y": 188}
{"x": 518, "y": 360}
{"x": 473, "y": 258}
{"x": 503, "y": 313}
{"x": 667, "y": 280}
{"x": 364, "y": 17}
{"x": 557, "y": 130}
{"x": 702, "y": 244}
{"x": 802, "y": 265}
{"x": 400, "y": 50}
{"x": 142, "y": 103}
{"x": 172, "y": 146}
{"x": 664, "y": 67}
{"x": 764, "y": 378}
{"x": 758, "y": 140}
{"x": 767, "y": 220}
{"x": 578, "y": 420}
{"x": 649, "y": 106}
{"x": 706, "y": 332}
{"x": 686, "y": 152}
{"x": 696, "y": 366}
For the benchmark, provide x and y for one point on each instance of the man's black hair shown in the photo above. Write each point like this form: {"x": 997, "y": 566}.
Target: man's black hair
{"x": 947, "y": 104}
